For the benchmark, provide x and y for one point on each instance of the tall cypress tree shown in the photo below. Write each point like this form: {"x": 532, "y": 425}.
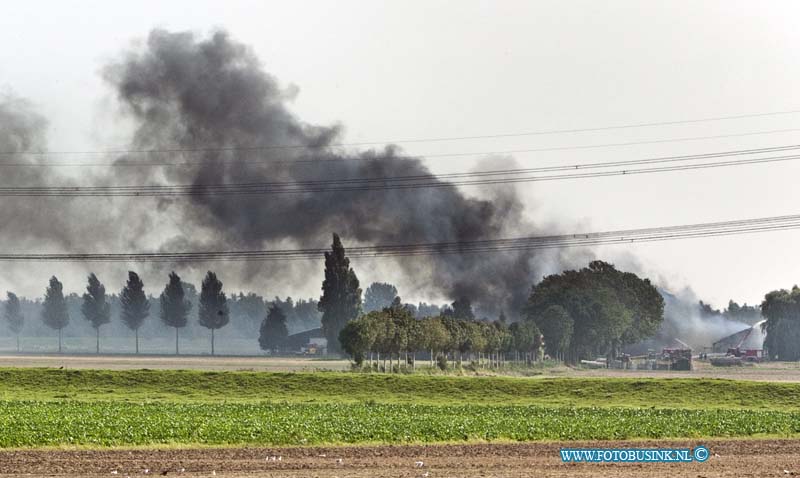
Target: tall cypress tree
{"x": 96, "y": 308}
{"x": 213, "y": 310}
{"x": 135, "y": 306}
{"x": 273, "y": 329}
{"x": 174, "y": 305}
{"x": 13, "y": 314}
{"x": 54, "y": 308}
{"x": 341, "y": 295}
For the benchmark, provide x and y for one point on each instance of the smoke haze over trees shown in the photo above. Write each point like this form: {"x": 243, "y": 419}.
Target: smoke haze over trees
{"x": 212, "y": 95}
{"x": 378, "y": 296}
{"x": 182, "y": 90}
{"x": 12, "y": 313}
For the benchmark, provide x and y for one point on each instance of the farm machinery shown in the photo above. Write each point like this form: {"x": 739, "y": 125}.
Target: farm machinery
{"x": 677, "y": 359}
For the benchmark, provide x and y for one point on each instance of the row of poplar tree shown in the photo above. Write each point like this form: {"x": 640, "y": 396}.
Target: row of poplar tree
{"x": 340, "y": 303}
{"x": 175, "y": 309}
{"x": 394, "y": 332}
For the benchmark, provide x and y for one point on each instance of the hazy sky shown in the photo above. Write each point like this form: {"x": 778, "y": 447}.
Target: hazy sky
{"x": 390, "y": 71}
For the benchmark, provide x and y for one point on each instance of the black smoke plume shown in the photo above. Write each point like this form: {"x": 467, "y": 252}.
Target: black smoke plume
{"x": 188, "y": 92}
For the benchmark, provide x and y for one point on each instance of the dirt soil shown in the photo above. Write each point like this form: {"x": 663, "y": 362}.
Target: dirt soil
{"x": 729, "y": 458}
{"x": 186, "y": 362}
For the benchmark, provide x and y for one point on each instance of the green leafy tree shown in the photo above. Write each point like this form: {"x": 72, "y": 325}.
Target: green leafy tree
{"x": 95, "y": 307}
{"x": 357, "y": 338}
{"x": 135, "y": 307}
{"x": 175, "y": 306}
{"x": 378, "y": 296}
{"x": 505, "y": 338}
{"x": 609, "y": 308}
{"x": 434, "y": 336}
{"x": 213, "y": 310}
{"x": 341, "y": 295}
{"x": 385, "y": 334}
{"x": 457, "y": 335}
{"x": 524, "y": 337}
{"x": 13, "y": 315}
{"x": 273, "y": 330}
{"x": 404, "y": 329}
{"x": 475, "y": 339}
{"x": 557, "y": 326}
{"x": 782, "y": 311}
{"x": 54, "y": 308}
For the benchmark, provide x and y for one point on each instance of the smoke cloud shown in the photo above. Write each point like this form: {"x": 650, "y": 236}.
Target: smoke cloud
{"x": 183, "y": 91}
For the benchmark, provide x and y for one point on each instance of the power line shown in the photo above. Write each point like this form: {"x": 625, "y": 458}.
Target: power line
{"x": 399, "y": 182}
{"x": 663, "y": 233}
{"x": 126, "y": 151}
{"x": 373, "y": 157}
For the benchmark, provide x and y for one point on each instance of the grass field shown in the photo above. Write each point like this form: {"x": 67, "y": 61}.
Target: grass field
{"x": 46, "y": 407}
{"x": 186, "y": 386}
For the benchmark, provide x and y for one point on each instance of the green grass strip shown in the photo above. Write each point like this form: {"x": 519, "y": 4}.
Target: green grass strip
{"x": 333, "y": 387}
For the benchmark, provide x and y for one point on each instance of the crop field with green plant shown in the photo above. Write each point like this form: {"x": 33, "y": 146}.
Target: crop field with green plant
{"x": 50, "y": 407}
{"x": 31, "y": 423}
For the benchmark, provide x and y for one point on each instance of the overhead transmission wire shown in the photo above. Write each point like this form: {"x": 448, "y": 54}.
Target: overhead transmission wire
{"x": 449, "y": 180}
{"x": 663, "y": 233}
{"x": 412, "y": 140}
{"x": 329, "y": 157}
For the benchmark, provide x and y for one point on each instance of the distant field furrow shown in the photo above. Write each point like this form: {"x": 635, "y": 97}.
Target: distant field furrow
{"x": 35, "y": 423}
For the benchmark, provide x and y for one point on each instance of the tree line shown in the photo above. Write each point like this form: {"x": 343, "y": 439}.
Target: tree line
{"x": 396, "y": 335}
{"x": 569, "y": 316}
{"x": 179, "y": 301}
{"x": 175, "y": 307}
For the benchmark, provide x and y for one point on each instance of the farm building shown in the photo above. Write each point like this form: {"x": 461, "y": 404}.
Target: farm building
{"x": 311, "y": 342}
{"x": 751, "y": 338}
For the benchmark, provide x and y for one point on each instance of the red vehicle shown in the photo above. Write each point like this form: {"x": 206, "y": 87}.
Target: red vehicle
{"x": 749, "y": 355}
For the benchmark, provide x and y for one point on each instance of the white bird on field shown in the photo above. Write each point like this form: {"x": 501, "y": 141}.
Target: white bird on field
{"x": 146, "y": 471}
{"x": 419, "y": 464}
{"x": 339, "y": 461}
{"x": 114, "y": 472}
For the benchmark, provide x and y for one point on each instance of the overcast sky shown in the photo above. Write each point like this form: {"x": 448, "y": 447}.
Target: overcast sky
{"x": 390, "y": 71}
